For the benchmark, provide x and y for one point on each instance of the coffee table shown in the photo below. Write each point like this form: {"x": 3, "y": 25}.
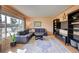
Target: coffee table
{"x": 39, "y": 36}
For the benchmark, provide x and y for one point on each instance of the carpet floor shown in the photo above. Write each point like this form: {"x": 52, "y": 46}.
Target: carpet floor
{"x": 48, "y": 45}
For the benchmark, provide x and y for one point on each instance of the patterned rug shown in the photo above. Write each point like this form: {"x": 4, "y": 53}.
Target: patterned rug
{"x": 48, "y": 45}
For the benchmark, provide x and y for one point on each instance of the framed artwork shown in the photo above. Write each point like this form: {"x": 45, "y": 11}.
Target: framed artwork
{"x": 37, "y": 23}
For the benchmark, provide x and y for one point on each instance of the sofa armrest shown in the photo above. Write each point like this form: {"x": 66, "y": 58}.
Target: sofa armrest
{"x": 22, "y": 38}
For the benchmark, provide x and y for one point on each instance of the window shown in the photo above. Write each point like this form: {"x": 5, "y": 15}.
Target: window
{"x": 10, "y": 25}
{"x": 2, "y": 26}
{"x": 14, "y": 25}
{"x": 21, "y": 25}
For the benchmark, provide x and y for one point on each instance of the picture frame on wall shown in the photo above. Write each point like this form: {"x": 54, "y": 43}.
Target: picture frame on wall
{"x": 37, "y": 23}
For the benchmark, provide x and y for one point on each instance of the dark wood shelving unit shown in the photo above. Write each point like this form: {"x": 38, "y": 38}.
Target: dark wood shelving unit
{"x": 71, "y": 28}
{"x": 73, "y": 22}
{"x": 56, "y": 26}
{"x": 56, "y": 30}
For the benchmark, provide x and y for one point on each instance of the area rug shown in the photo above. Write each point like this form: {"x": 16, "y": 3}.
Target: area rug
{"x": 45, "y": 46}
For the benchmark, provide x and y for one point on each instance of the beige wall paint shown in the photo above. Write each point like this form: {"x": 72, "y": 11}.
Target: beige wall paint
{"x": 66, "y": 12}
{"x": 46, "y": 22}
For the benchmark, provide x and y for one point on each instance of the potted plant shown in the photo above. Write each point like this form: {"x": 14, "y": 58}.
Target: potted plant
{"x": 13, "y": 40}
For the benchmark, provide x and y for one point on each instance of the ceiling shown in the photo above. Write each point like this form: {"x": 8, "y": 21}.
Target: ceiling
{"x": 40, "y": 10}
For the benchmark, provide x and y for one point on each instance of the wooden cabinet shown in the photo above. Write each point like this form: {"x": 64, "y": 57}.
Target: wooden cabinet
{"x": 4, "y": 45}
{"x": 7, "y": 44}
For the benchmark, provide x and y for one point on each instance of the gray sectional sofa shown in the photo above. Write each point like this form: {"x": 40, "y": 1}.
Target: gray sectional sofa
{"x": 26, "y": 35}
{"x": 23, "y": 36}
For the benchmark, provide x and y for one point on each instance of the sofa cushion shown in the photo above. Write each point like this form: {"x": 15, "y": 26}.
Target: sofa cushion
{"x": 41, "y": 30}
{"x": 21, "y": 33}
{"x": 23, "y": 38}
{"x": 26, "y": 31}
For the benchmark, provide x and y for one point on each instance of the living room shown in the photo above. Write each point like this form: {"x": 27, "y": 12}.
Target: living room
{"x": 30, "y": 29}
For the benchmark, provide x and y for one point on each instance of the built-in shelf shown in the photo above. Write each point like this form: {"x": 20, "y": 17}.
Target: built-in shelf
{"x": 75, "y": 20}
{"x": 56, "y": 26}
{"x": 63, "y": 32}
{"x": 76, "y": 33}
{"x": 75, "y": 23}
{"x": 60, "y": 29}
{"x": 73, "y": 28}
{"x": 76, "y": 28}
